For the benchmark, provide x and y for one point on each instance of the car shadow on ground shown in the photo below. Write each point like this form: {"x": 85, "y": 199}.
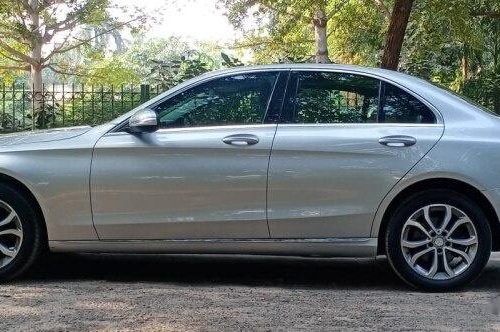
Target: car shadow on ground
{"x": 235, "y": 270}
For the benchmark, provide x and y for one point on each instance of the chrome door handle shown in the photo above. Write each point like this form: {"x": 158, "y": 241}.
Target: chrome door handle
{"x": 398, "y": 141}
{"x": 241, "y": 139}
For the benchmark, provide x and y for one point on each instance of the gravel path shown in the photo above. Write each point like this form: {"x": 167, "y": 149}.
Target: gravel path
{"x": 103, "y": 292}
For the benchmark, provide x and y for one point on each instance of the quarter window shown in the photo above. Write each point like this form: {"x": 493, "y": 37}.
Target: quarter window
{"x": 328, "y": 97}
{"x": 233, "y": 100}
{"x": 401, "y": 107}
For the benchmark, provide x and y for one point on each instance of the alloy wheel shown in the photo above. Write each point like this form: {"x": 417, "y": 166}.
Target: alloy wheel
{"x": 11, "y": 234}
{"x": 439, "y": 241}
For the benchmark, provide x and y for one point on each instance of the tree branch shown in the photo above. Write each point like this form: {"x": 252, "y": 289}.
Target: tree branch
{"x": 337, "y": 8}
{"x": 10, "y": 58}
{"x": 72, "y": 73}
{"x": 487, "y": 13}
{"x": 27, "y": 68}
{"x": 382, "y": 6}
{"x": 58, "y": 48}
{"x": 297, "y": 17}
{"x": 268, "y": 42}
{"x": 71, "y": 19}
{"x": 47, "y": 36}
{"x": 26, "y": 6}
{"x": 61, "y": 49}
{"x": 23, "y": 20}
{"x": 15, "y": 53}
{"x": 7, "y": 33}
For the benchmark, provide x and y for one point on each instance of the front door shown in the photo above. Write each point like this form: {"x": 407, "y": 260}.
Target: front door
{"x": 202, "y": 175}
{"x": 345, "y": 141}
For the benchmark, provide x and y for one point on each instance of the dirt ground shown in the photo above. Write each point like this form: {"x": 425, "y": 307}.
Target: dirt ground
{"x": 213, "y": 293}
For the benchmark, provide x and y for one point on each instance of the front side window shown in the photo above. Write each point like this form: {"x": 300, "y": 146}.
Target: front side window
{"x": 233, "y": 100}
{"x": 401, "y": 107}
{"x": 329, "y": 97}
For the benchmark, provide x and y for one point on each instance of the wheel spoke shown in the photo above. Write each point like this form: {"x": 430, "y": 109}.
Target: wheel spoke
{"x": 415, "y": 244}
{"x": 461, "y": 253}
{"x": 8, "y": 219}
{"x": 447, "y": 268}
{"x": 427, "y": 218}
{"x": 10, "y": 225}
{"x": 419, "y": 226}
{"x": 15, "y": 232}
{"x": 6, "y": 251}
{"x": 464, "y": 242}
{"x": 447, "y": 218}
{"x": 458, "y": 223}
{"x": 434, "y": 267}
{"x": 420, "y": 254}
{"x": 436, "y": 250}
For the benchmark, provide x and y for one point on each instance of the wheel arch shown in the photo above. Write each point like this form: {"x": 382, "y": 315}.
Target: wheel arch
{"x": 441, "y": 183}
{"x": 21, "y": 187}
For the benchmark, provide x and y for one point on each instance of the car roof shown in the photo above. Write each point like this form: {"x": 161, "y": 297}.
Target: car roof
{"x": 314, "y": 66}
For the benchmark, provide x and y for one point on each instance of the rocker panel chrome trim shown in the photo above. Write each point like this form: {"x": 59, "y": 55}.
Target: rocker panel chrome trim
{"x": 331, "y": 247}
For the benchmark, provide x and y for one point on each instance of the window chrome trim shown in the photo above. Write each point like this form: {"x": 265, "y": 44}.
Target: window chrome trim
{"x": 382, "y": 124}
{"x": 202, "y": 80}
{"x": 197, "y": 129}
{"x": 212, "y": 76}
{"x": 437, "y": 113}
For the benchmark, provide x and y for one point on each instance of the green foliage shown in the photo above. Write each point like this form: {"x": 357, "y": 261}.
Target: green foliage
{"x": 69, "y": 105}
{"x": 172, "y": 72}
{"x": 164, "y": 61}
{"x": 113, "y": 70}
{"x": 484, "y": 89}
{"x": 38, "y": 35}
{"x": 281, "y": 29}
{"x": 357, "y": 34}
{"x": 455, "y": 43}
{"x": 229, "y": 61}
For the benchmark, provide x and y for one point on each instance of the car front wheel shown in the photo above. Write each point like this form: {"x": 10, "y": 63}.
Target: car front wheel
{"x": 21, "y": 233}
{"x": 438, "y": 240}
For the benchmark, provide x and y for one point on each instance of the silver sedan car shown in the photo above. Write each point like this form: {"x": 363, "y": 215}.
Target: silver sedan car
{"x": 306, "y": 160}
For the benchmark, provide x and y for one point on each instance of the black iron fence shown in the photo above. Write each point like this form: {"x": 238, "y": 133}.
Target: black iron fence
{"x": 61, "y": 105}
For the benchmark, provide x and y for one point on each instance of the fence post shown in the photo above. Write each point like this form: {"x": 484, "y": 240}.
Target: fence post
{"x": 144, "y": 92}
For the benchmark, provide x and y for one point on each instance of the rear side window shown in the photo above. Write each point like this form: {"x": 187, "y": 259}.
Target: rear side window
{"x": 401, "y": 107}
{"x": 329, "y": 97}
{"x": 333, "y": 97}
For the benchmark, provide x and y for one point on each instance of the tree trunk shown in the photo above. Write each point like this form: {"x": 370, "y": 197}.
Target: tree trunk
{"x": 496, "y": 100}
{"x": 395, "y": 35}
{"x": 320, "y": 22}
{"x": 464, "y": 67}
{"x": 464, "y": 64}
{"x": 120, "y": 45}
{"x": 37, "y": 86}
{"x": 36, "y": 66}
{"x": 496, "y": 69}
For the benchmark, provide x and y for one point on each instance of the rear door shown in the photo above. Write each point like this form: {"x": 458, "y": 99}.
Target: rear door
{"x": 345, "y": 141}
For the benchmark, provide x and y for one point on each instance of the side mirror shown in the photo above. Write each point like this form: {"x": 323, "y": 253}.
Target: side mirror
{"x": 143, "y": 121}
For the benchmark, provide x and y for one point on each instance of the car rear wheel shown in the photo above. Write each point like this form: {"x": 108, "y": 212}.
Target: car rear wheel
{"x": 438, "y": 240}
{"x": 21, "y": 233}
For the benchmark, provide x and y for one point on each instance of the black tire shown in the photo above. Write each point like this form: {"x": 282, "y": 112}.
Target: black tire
{"x": 411, "y": 205}
{"x": 33, "y": 242}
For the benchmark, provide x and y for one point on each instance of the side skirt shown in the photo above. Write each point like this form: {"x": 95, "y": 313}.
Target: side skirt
{"x": 331, "y": 247}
